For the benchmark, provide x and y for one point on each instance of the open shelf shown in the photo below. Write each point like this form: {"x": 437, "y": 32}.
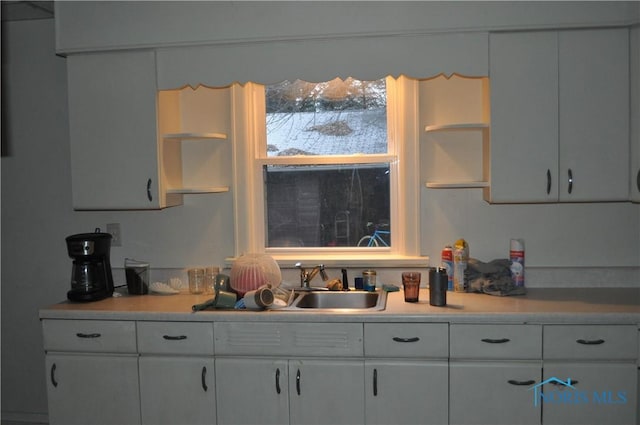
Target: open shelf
{"x": 193, "y": 190}
{"x": 195, "y": 136}
{"x": 457, "y": 127}
{"x": 456, "y": 185}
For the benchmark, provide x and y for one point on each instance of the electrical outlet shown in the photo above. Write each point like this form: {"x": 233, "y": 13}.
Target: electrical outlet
{"x": 116, "y": 236}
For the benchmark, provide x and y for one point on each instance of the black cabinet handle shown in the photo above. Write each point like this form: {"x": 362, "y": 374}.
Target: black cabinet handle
{"x": 204, "y": 378}
{"x": 298, "y": 382}
{"x": 278, "y": 380}
{"x": 495, "y": 341}
{"x": 638, "y": 180}
{"x": 375, "y": 382}
{"x": 521, "y": 383}
{"x": 94, "y": 335}
{"x": 564, "y": 384}
{"x": 570, "y": 175}
{"x": 548, "y": 181}
{"x": 149, "y": 197}
{"x": 174, "y": 338}
{"x": 590, "y": 341}
{"x": 399, "y": 339}
{"x": 53, "y": 375}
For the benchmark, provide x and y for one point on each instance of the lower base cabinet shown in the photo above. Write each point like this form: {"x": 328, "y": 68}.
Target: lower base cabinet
{"x": 281, "y": 391}
{"x": 602, "y": 393}
{"x": 494, "y": 392}
{"x": 93, "y": 389}
{"x": 177, "y": 390}
{"x": 406, "y": 392}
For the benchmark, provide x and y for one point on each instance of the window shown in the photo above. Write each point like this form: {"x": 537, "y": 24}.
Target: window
{"x": 320, "y": 168}
{"x": 330, "y": 202}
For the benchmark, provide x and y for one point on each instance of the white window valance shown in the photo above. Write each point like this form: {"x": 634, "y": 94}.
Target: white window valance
{"x": 365, "y": 58}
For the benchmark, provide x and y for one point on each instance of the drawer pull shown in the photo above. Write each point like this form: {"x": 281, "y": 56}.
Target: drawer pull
{"x": 375, "y": 382}
{"x": 53, "y": 375}
{"x": 521, "y": 383}
{"x": 495, "y": 341}
{"x": 174, "y": 338}
{"x": 81, "y": 335}
{"x": 590, "y": 341}
{"x": 399, "y": 339}
{"x": 204, "y": 378}
{"x": 564, "y": 385}
{"x": 278, "y": 380}
{"x": 548, "y": 181}
{"x": 298, "y": 382}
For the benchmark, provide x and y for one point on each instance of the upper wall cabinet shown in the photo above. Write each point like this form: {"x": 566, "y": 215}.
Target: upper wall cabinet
{"x": 635, "y": 114}
{"x": 112, "y": 126}
{"x": 559, "y": 116}
{"x": 133, "y": 147}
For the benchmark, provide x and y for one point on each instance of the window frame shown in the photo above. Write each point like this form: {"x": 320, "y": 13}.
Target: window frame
{"x": 250, "y": 155}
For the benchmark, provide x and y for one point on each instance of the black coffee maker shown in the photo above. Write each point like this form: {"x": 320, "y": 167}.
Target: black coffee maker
{"x": 91, "y": 278}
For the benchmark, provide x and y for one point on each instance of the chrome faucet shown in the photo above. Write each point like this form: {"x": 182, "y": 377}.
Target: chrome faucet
{"x": 306, "y": 276}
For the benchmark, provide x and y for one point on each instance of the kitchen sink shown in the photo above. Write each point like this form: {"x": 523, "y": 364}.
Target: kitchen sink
{"x": 343, "y": 301}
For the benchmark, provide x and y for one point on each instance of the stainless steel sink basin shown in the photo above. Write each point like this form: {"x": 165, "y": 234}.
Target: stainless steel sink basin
{"x": 351, "y": 300}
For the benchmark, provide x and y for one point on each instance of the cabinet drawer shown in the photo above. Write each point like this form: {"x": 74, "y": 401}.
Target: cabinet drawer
{"x": 288, "y": 339}
{"x": 92, "y": 336}
{"x": 175, "y": 338}
{"x": 595, "y": 342}
{"x": 406, "y": 340}
{"x": 496, "y": 341}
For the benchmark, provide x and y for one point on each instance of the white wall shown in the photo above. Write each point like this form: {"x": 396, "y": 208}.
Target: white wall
{"x": 37, "y": 216}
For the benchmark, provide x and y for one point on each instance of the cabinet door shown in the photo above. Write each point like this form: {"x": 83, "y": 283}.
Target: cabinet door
{"x": 177, "y": 390}
{"x": 635, "y": 113}
{"x": 326, "y": 391}
{"x": 594, "y": 115}
{"x": 524, "y": 117}
{"x": 602, "y": 393}
{"x": 406, "y": 392}
{"x": 112, "y": 128}
{"x": 252, "y": 391}
{"x": 493, "y": 393}
{"x": 92, "y": 389}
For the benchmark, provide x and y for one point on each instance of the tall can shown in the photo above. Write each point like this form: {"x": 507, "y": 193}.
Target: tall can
{"x": 516, "y": 255}
{"x": 369, "y": 280}
{"x": 447, "y": 264}
{"x": 460, "y": 261}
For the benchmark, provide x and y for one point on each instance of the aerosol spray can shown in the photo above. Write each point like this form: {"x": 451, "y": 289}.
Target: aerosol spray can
{"x": 516, "y": 255}
{"x": 447, "y": 264}
{"x": 460, "y": 260}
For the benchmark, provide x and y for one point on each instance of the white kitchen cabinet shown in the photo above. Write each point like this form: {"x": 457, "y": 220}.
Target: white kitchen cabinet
{"x": 299, "y": 373}
{"x": 493, "y": 392}
{"x": 92, "y": 372}
{"x": 634, "y": 69}
{"x": 406, "y": 373}
{"x": 252, "y": 391}
{"x": 406, "y": 391}
{"x": 177, "y": 373}
{"x": 127, "y": 137}
{"x": 559, "y": 116}
{"x": 492, "y": 371}
{"x": 177, "y": 390}
{"x": 599, "y": 362}
{"x": 113, "y": 131}
{"x": 326, "y": 391}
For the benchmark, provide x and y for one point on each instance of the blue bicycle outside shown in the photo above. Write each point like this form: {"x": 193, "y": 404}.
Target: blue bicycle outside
{"x": 375, "y": 239}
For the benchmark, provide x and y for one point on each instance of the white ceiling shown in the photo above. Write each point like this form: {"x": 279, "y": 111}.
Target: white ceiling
{"x": 23, "y": 10}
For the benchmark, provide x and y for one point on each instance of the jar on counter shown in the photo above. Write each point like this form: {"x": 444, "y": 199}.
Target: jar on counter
{"x": 369, "y": 278}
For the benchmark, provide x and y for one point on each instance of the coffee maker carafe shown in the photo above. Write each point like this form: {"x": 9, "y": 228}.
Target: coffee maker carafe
{"x": 91, "y": 278}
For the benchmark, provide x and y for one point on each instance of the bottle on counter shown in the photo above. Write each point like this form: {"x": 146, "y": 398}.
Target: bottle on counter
{"x": 516, "y": 255}
{"x": 460, "y": 261}
{"x": 447, "y": 264}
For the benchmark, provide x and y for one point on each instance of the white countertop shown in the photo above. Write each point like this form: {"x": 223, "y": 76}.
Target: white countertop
{"x": 566, "y": 305}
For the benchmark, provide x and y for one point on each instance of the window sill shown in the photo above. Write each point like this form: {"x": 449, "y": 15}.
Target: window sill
{"x": 342, "y": 260}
